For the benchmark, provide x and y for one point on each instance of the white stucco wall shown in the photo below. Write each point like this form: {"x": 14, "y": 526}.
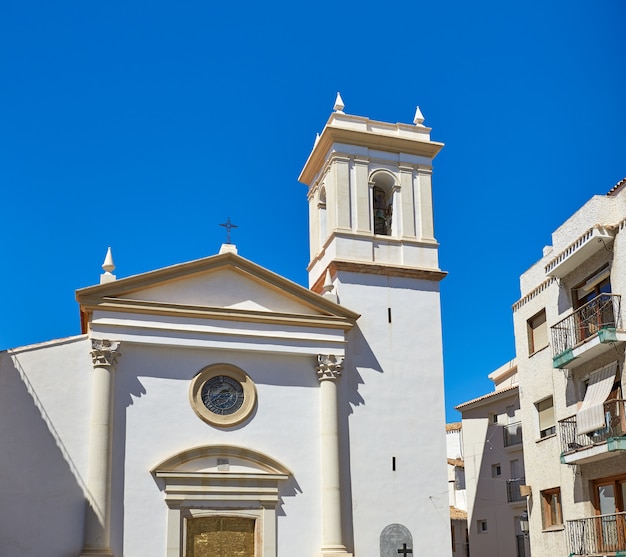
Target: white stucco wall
{"x": 394, "y": 381}
{"x": 44, "y": 405}
{"x": 152, "y": 402}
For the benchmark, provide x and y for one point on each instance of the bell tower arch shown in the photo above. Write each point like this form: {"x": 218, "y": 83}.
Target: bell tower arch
{"x": 370, "y": 194}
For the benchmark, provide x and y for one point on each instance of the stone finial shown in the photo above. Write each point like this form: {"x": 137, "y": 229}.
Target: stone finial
{"x": 327, "y": 289}
{"x": 419, "y": 117}
{"x": 339, "y": 106}
{"x": 328, "y": 284}
{"x": 108, "y": 266}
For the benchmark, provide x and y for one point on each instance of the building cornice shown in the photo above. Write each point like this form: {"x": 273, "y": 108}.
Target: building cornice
{"x": 378, "y": 269}
{"x": 123, "y": 305}
{"x": 364, "y": 138}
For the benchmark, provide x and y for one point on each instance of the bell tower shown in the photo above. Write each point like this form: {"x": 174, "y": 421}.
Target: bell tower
{"x": 370, "y": 198}
{"x": 372, "y": 245}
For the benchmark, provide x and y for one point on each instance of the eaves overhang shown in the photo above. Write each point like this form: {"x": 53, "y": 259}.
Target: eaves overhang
{"x": 593, "y": 240}
{"x": 489, "y": 397}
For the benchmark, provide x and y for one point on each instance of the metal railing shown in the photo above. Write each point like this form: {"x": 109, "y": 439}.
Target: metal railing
{"x": 602, "y": 312}
{"x": 615, "y": 420}
{"x": 513, "y": 491}
{"x": 512, "y": 434}
{"x": 597, "y": 535}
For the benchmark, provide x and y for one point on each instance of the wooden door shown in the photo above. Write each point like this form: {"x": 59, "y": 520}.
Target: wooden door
{"x": 220, "y": 536}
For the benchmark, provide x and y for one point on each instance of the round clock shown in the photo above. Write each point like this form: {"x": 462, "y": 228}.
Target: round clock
{"x": 222, "y": 395}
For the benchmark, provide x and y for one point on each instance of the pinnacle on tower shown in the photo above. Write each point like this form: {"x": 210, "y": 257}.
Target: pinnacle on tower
{"x": 419, "y": 117}
{"x": 108, "y": 266}
{"x": 339, "y": 106}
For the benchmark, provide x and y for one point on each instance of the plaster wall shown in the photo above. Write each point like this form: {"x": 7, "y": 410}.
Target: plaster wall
{"x": 394, "y": 411}
{"x": 45, "y": 393}
{"x": 156, "y": 420}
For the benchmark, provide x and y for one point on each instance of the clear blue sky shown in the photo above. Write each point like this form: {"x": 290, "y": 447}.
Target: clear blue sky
{"x": 143, "y": 125}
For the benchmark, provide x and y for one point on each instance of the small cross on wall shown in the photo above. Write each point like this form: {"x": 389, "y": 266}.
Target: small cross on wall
{"x": 405, "y": 551}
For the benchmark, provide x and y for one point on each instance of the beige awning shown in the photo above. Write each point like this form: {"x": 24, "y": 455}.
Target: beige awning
{"x": 590, "y": 416}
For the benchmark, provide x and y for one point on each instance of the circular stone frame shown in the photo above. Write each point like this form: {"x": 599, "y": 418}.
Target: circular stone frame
{"x": 219, "y": 420}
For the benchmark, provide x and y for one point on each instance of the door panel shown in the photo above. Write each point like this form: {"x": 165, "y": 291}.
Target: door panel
{"x": 220, "y": 536}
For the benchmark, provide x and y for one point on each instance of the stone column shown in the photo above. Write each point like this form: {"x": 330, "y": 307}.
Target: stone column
{"x": 98, "y": 512}
{"x": 329, "y": 369}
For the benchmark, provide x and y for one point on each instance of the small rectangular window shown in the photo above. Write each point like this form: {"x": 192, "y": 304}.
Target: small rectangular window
{"x": 494, "y": 418}
{"x": 496, "y": 470}
{"x": 545, "y": 413}
{"x": 551, "y": 511}
{"x": 537, "y": 332}
{"x": 482, "y": 526}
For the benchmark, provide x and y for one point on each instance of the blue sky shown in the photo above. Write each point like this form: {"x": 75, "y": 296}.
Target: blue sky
{"x": 143, "y": 125}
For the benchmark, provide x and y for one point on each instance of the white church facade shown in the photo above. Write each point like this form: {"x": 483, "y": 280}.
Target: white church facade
{"x": 216, "y": 409}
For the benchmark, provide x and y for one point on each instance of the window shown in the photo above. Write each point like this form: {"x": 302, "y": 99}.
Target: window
{"x": 482, "y": 526}
{"x": 537, "y": 332}
{"x": 545, "y": 412}
{"x": 496, "y": 470}
{"x": 598, "y": 283}
{"x": 493, "y": 418}
{"x": 551, "y": 512}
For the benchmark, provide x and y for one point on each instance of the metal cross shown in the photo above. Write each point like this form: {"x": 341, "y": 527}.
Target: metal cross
{"x": 228, "y": 226}
{"x": 404, "y": 550}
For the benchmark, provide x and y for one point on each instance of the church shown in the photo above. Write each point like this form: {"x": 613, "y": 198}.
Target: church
{"x": 216, "y": 409}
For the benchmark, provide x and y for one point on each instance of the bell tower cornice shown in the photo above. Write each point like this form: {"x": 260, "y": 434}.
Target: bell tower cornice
{"x": 372, "y": 134}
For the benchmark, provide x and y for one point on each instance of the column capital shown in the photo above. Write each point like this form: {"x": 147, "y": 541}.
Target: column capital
{"x": 104, "y": 353}
{"x": 329, "y": 366}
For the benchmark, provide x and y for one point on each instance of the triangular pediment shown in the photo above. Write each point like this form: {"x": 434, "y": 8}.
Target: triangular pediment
{"x": 227, "y": 284}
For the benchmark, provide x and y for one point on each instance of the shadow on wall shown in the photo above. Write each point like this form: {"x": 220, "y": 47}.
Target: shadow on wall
{"x": 42, "y": 504}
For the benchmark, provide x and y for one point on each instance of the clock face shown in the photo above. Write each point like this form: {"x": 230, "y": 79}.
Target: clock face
{"x": 222, "y": 395}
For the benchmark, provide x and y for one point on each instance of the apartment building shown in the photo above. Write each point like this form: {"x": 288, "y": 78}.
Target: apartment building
{"x": 494, "y": 468}
{"x": 570, "y": 362}
{"x": 456, "y": 490}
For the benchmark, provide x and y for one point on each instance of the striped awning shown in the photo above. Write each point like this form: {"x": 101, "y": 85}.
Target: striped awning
{"x": 590, "y": 415}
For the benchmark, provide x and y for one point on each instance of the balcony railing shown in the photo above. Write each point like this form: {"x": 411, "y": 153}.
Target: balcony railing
{"x": 615, "y": 417}
{"x": 512, "y": 434}
{"x": 603, "y": 312}
{"x": 513, "y": 491}
{"x": 597, "y": 535}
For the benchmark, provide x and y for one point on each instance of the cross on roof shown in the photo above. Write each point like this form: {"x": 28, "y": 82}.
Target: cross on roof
{"x": 228, "y": 225}
{"x": 404, "y": 551}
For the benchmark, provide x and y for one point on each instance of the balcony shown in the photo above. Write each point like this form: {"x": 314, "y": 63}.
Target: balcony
{"x": 581, "y": 448}
{"x": 513, "y": 489}
{"x": 512, "y": 434}
{"x": 591, "y": 330}
{"x": 597, "y": 535}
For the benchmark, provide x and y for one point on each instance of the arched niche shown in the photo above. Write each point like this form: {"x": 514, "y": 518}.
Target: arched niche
{"x": 213, "y": 481}
{"x": 383, "y": 185}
